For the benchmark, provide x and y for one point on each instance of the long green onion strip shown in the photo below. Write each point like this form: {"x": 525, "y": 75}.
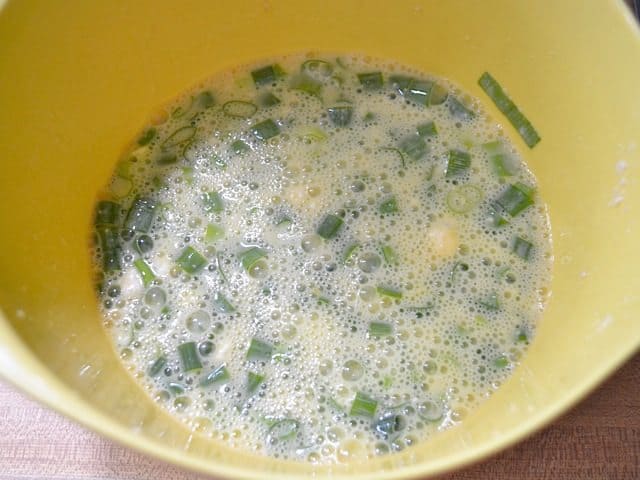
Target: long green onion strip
{"x": 388, "y": 206}
{"x": 140, "y": 216}
{"x": 380, "y": 329}
{"x": 157, "y": 366}
{"x": 284, "y": 429}
{"x": 458, "y": 110}
{"x": 221, "y": 304}
{"x": 254, "y": 380}
{"x": 458, "y": 162}
{"x": 212, "y": 202}
{"x": 509, "y": 109}
{"x": 107, "y": 213}
{"x": 514, "y": 199}
{"x": 330, "y": 226}
{"x": 371, "y": 80}
{"x": 349, "y": 253}
{"x": 216, "y": 376}
{"x": 265, "y": 129}
{"x": 110, "y": 247}
{"x": 189, "y": 357}
{"x": 341, "y": 115}
{"x": 259, "y": 350}
{"x": 389, "y": 255}
{"x": 147, "y": 136}
{"x": 491, "y": 302}
{"x": 239, "y": 147}
{"x": 239, "y": 109}
{"x": 213, "y": 233}
{"x": 522, "y": 247}
{"x": 250, "y": 257}
{"x": 413, "y": 147}
{"x": 146, "y": 274}
{"x": 388, "y": 292}
{"x": 427, "y": 129}
{"x": 267, "y": 75}
{"x": 179, "y": 137}
{"x": 268, "y": 99}
{"x": 191, "y": 260}
{"x": 463, "y": 198}
{"x": 363, "y": 405}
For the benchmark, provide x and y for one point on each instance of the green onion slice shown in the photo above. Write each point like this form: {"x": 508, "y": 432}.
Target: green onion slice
{"x": 283, "y": 430}
{"x": 111, "y": 249}
{"x": 371, "y": 80}
{"x": 363, "y": 405}
{"x": 221, "y": 304}
{"x": 147, "y": 136}
{"x": 349, "y": 253}
{"x": 380, "y": 329}
{"x": 267, "y": 75}
{"x": 268, "y": 99}
{"x": 254, "y": 380}
{"x": 458, "y": 162}
{"x": 458, "y": 109}
{"x": 388, "y": 292}
{"x": 509, "y": 109}
{"x": 146, "y": 274}
{"x": 140, "y": 216}
{"x": 107, "y": 213}
{"x": 213, "y": 233}
{"x": 265, "y": 129}
{"x": 259, "y": 350}
{"x": 389, "y": 254}
{"x": 330, "y": 226}
{"x": 463, "y": 198}
{"x": 179, "y": 137}
{"x": 413, "y": 147}
{"x": 427, "y": 129}
{"x": 189, "y": 357}
{"x": 212, "y": 202}
{"x": 515, "y": 199}
{"x": 239, "y": 109}
{"x": 250, "y": 257}
{"x": 389, "y": 205}
{"x": 191, "y": 260}
{"x": 157, "y": 366}
{"x": 340, "y": 116}
{"x": 522, "y": 248}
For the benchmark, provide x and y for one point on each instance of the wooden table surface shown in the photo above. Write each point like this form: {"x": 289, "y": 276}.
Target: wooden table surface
{"x": 599, "y": 439}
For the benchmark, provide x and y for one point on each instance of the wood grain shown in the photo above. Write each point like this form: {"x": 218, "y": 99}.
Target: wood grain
{"x": 598, "y": 440}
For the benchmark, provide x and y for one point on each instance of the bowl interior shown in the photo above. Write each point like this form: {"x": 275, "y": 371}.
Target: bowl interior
{"x": 79, "y": 81}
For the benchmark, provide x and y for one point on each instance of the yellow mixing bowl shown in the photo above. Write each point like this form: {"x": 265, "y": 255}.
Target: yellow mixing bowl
{"x": 79, "y": 78}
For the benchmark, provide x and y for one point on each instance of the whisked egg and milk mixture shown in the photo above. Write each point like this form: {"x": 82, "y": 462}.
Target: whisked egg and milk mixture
{"x": 322, "y": 259}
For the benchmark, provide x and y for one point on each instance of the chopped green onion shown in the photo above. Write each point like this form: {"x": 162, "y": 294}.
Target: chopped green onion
{"x": 312, "y": 134}
{"x": 389, "y": 205}
{"x": 180, "y": 136}
{"x": 284, "y": 429}
{"x": 268, "y": 99}
{"x": 515, "y": 199}
{"x": 371, "y": 81}
{"x": 265, "y": 129}
{"x": 221, "y": 304}
{"x": 329, "y": 226}
{"x": 522, "y": 248}
{"x": 157, "y": 366}
{"x": 140, "y": 216}
{"x": 110, "y": 248}
{"x": 522, "y": 336}
{"x": 268, "y": 74}
{"x": 363, "y": 405}
{"x": 458, "y": 109}
{"x": 500, "y": 165}
{"x": 189, "y": 357}
{"x": 458, "y": 267}
{"x": 438, "y": 94}
{"x": 191, "y": 260}
{"x": 458, "y": 162}
{"x": 239, "y": 109}
{"x": 107, "y": 213}
{"x": 306, "y": 84}
{"x": 251, "y": 256}
{"x": 254, "y": 380}
{"x": 400, "y": 82}
{"x": 493, "y": 147}
{"x": 389, "y": 424}
{"x": 388, "y": 292}
{"x": 419, "y": 91}
{"x": 340, "y": 116}
{"x": 491, "y": 302}
{"x": 213, "y": 233}
{"x": 146, "y": 274}
{"x": 218, "y": 375}
{"x": 239, "y": 147}
{"x": 390, "y": 256}
{"x": 414, "y": 147}
{"x": 212, "y": 202}
{"x": 259, "y": 350}
{"x": 379, "y": 329}
{"x": 501, "y": 362}
{"x": 463, "y": 198}
{"x": 427, "y": 129}
{"x": 205, "y": 99}
{"x": 509, "y": 109}
{"x": 147, "y": 136}
{"x": 350, "y": 252}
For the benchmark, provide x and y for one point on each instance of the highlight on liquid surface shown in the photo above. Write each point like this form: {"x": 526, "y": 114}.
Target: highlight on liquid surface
{"x": 322, "y": 260}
